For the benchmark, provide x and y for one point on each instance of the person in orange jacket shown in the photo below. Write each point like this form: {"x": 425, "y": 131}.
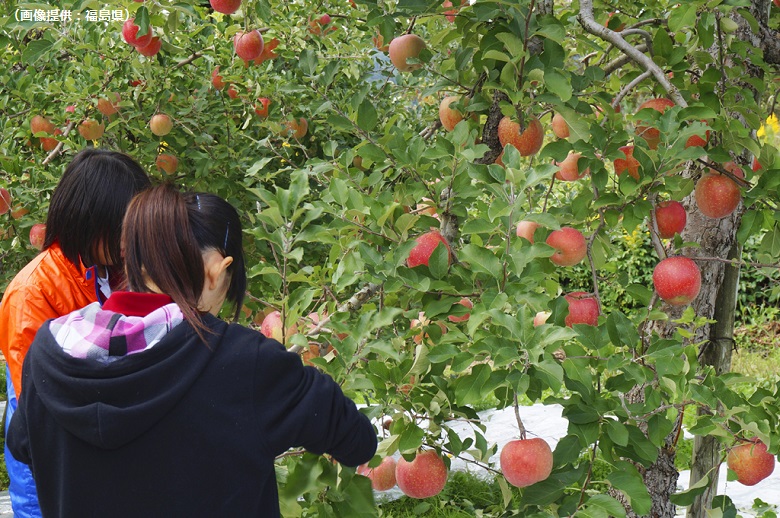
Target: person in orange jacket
{"x": 79, "y": 263}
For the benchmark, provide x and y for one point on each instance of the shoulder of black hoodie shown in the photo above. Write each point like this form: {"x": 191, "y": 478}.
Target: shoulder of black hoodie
{"x": 301, "y": 406}
{"x": 293, "y": 405}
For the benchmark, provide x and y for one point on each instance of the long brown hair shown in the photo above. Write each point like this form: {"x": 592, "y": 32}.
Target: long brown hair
{"x": 163, "y": 236}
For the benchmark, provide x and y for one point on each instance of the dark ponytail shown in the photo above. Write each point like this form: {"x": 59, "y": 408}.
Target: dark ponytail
{"x": 163, "y": 236}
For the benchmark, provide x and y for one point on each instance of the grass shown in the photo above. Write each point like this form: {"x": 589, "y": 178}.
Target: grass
{"x": 757, "y": 342}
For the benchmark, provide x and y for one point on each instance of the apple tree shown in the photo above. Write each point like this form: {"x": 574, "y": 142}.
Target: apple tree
{"x": 426, "y": 185}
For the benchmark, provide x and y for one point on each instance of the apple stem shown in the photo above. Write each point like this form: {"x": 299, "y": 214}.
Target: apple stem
{"x": 520, "y": 424}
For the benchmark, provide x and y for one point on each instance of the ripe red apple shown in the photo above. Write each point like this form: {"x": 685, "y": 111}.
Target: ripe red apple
{"x": 527, "y": 229}
{"x": 225, "y": 6}
{"x": 526, "y": 461}
{"x": 750, "y": 461}
{"x": 49, "y": 143}
{"x": 697, "y": 141}
{"x": 38, "y": 235}
{"x": 268, "y": 51}
{"x": 529, "y": 142}
{"x": 570, "y": 246}
{"x": 160, "y": 124}
{"x": 248, "y": 45}
{"x": 130, "y": 33}
{"x": 152, "y": 49}
{"x": 216, "y": 79}
{"x": 629, "y": 164}
{"x": 716, "y": 194}
{"x": 39, "y": 123}
{"x": 296, "y": 128}
{"x": 448, "y": 116}
{"x": 232, "y": 92}
{"x": 776, "y": 2}
{"x": 670, "y": 218}
{"x": 583, "y": 309}
{"x": 108, "y": 105}
{"x": 541, "y": 318}
{"x": 677, "y": 280}
{"x": 90, "y": 129}
{"x": 272, "y": 327}
{"x": 463, "y": 318}
{"x": 650, "y": 134}
{"x": 383, "y": 476}
{"x": 262, "y": 109}
{"x": 426, "y": 243}
{"x": 559, "y": 126}
{"x": 167, "y": 162}
{"x": 424, "y": 477}
{"x": 18, "y": 211}
{"x": 5, "y": 200}
{"x": 569, "y": 169}
{"x": 404, "y": 47}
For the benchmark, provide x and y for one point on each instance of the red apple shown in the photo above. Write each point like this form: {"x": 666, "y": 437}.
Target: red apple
{"x": 718, "y": 195}
{"x": 463, "y": 318}
{"x": 39, "y": 123}
{"x": 108, "y": 105}
{"x": 216, "y": 79}
{"x": 38, "y": 235}
{"x": 751, "y": 462}
{"x": 569, "y": 169}
{"x": 296, "y": 128}
{"x": 526, "y": 461}
{"x": 583, "y": 309}
{"x": 776, "y": 2}
{"x": 160, "y": 124}
{"x": 90, "y": 129}
{"x": 272, "y": 327}
{"x": 152, "y": 49}
{"x": 18, "y": 211}
{"x": 697, "y": 141}
{"x": 559, "y": 126}
{"x": 130, "y": 33}
{"x": 5, "y": 200}
{"x": 448, "y": 116}
{"x": 167, "y": 162}
{"x": 248, "y": 45}
{"x": 527, "y": 229}
{"x": 424, "y": 477}
{"x": 677, "y": 280}
{"x": 670, "y": 218}
{"x": 426, "y": 243}
{"x": 232, "y": 92}
{"x": 629, "y": 164}
{"x": 49, "y": 143}
{"x": 261, "y": 109}
{"x": 225, "y": 6}
{"x": 528, "y": 142}
{"x": 570, "y": 246}
{"x": 268, "y": 51}
{"x": 650, "y": 134}
{"x": 404, "y": 47}
{"x": 383, "y": 476}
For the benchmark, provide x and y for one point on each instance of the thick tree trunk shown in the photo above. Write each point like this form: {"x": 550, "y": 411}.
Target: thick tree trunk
{"x": 716, "y": 238}
{"x": 717, "y": 353}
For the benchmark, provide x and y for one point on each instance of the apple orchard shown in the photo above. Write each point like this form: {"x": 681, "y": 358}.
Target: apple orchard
{"x": 420, "y": 184}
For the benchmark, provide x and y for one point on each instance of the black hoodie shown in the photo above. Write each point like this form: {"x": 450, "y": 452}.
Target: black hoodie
{"x": 182, "y": 429}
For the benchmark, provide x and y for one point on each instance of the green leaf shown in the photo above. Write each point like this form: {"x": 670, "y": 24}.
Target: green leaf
{"x": 307, "y": 62}
{"x": 627, "y": 479}
{"x": 617, "y": 432}
{"x": 35, "y": 49}
{"x": 439, "y": 262}
{"x": 686, "y": 498}
{"x": 601, "y": 506}
{"x": 367, "y": 116}
{"x": 558, "y": 84}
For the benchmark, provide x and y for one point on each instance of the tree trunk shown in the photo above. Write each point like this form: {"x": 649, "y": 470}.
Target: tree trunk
{"x": 717, "y": 353}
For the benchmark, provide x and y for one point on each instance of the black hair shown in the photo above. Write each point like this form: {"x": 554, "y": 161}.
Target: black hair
{"x": 164, "y": 235}
{"x": 89, "y": 203}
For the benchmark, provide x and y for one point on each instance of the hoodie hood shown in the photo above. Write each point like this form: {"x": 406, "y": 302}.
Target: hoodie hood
{"x": 108, "y": 400}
